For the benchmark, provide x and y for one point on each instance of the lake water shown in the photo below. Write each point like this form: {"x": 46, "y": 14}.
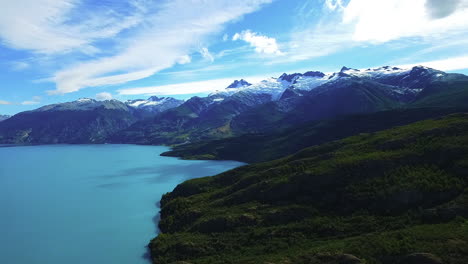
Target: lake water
{"x": 80, "y": 204}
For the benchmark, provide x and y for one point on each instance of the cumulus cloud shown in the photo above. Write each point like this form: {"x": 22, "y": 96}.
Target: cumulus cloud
{"x": 103, "y": 96}
{"x": 170, "y": 33}
{"x": 35, "y": 100}
{"x": 262, "y": 44}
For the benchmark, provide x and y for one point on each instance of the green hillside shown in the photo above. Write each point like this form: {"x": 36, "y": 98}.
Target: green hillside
{"x": 379, "y": 197}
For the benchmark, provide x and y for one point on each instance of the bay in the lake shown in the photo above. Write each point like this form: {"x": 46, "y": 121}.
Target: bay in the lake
{"x": 80, "y": 204}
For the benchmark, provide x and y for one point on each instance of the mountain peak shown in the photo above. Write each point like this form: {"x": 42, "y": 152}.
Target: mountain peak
{"x": 344, "y": 68}
{"x": 239, "y": 83}
{"x": 290, "y": 77}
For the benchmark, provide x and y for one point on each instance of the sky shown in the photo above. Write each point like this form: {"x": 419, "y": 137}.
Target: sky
{"x": 60, "y": 50}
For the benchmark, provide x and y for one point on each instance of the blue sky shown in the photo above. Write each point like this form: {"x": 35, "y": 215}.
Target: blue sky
{"x": 60, "y": 50}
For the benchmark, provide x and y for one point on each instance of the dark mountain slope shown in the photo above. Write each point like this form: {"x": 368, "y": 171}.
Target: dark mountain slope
{"x": 85, "y": 121}
{"x": 379, "y": 197}
{"x": 264, "y": 147}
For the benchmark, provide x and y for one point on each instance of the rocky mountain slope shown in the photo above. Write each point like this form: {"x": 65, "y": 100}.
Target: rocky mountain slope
{"x": 395, "y": 196}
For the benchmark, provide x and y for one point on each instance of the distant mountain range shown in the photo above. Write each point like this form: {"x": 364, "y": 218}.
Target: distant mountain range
{"x": 241, "y": 108}
{"x": 82, "y": 121}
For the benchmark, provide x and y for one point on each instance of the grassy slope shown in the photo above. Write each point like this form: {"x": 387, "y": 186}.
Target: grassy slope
{"x": 264, "y": 147}
{"x": 378, "y": 196}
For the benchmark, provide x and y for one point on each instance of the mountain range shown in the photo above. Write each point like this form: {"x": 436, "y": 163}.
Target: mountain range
{"x": 241, "y": 108}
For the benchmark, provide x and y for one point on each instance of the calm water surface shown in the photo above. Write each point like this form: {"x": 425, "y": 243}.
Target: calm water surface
{"x": 80, "y": 204}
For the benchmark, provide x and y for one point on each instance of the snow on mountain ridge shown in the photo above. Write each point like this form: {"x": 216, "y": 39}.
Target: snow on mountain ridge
{"x": 154, "y": 103}
{"x": 404, "y": 80}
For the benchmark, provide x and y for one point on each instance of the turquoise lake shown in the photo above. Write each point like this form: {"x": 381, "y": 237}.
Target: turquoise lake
{"x": 80, "y": 204}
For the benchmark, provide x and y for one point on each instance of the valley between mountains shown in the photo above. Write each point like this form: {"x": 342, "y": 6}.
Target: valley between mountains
{"x": 357, "y": 166}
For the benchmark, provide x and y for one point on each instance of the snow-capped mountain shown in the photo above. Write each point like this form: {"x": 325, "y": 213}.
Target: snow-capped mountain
{"x": 414, "y": 78}
{"x": 154, "y": 104}
{"x": 84, "y": 104}
{"x": 401, "y": 82}
{"x": 271, "y": 87}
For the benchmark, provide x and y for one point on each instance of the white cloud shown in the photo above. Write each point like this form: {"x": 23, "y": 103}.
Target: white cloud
{"x": 371, "y": 22}
{"x": 333, "y": 4}
{"x": 262, "y": 44}
{"x": 450, "y": 64}
{"x": 103, "y": 96}
{"x": 206, "y": 54}
{"x": 184, "y": 59}
{"x": 382, "y": 21}
{"x": 225, "y": 37}
{"x": 169, "y": 34}
{"x": 5, "y": 102}
{"x": 35, "y": 100}
{"x": 186, "y": 88}
{"x": 46, "y": 26}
